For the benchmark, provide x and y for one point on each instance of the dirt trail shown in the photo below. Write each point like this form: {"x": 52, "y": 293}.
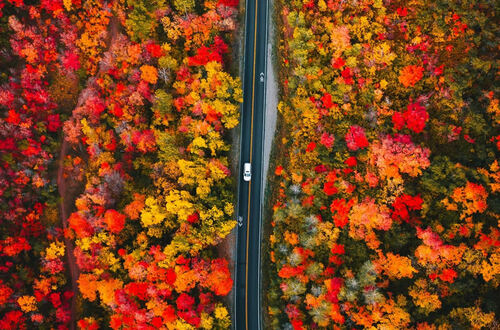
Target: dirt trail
{"x": 68, "y": 195}
{"x": 65, "y": 207}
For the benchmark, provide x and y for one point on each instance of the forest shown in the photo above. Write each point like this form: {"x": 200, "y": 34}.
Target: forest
{"x": 119, "y": 121}
{"x": 386, "y": 206}
{"x": 115, "y": 180}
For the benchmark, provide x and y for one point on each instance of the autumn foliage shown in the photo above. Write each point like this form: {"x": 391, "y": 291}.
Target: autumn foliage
{"x": 385, "y": 191}
{"x": 120, "y": 112}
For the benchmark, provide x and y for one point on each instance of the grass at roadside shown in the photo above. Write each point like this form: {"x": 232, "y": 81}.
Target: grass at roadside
{"x": 270, "y": 281}
{"x": 228, "y": 248}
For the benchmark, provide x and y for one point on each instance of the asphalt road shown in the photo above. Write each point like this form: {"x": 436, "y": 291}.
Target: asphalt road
{"x": 248, "y": 309}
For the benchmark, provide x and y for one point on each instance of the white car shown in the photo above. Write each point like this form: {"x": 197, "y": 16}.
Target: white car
{"x": 247, "y": 171}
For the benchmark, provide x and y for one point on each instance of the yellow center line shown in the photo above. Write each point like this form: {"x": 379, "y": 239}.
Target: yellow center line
{"x": 251, "y": 141}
